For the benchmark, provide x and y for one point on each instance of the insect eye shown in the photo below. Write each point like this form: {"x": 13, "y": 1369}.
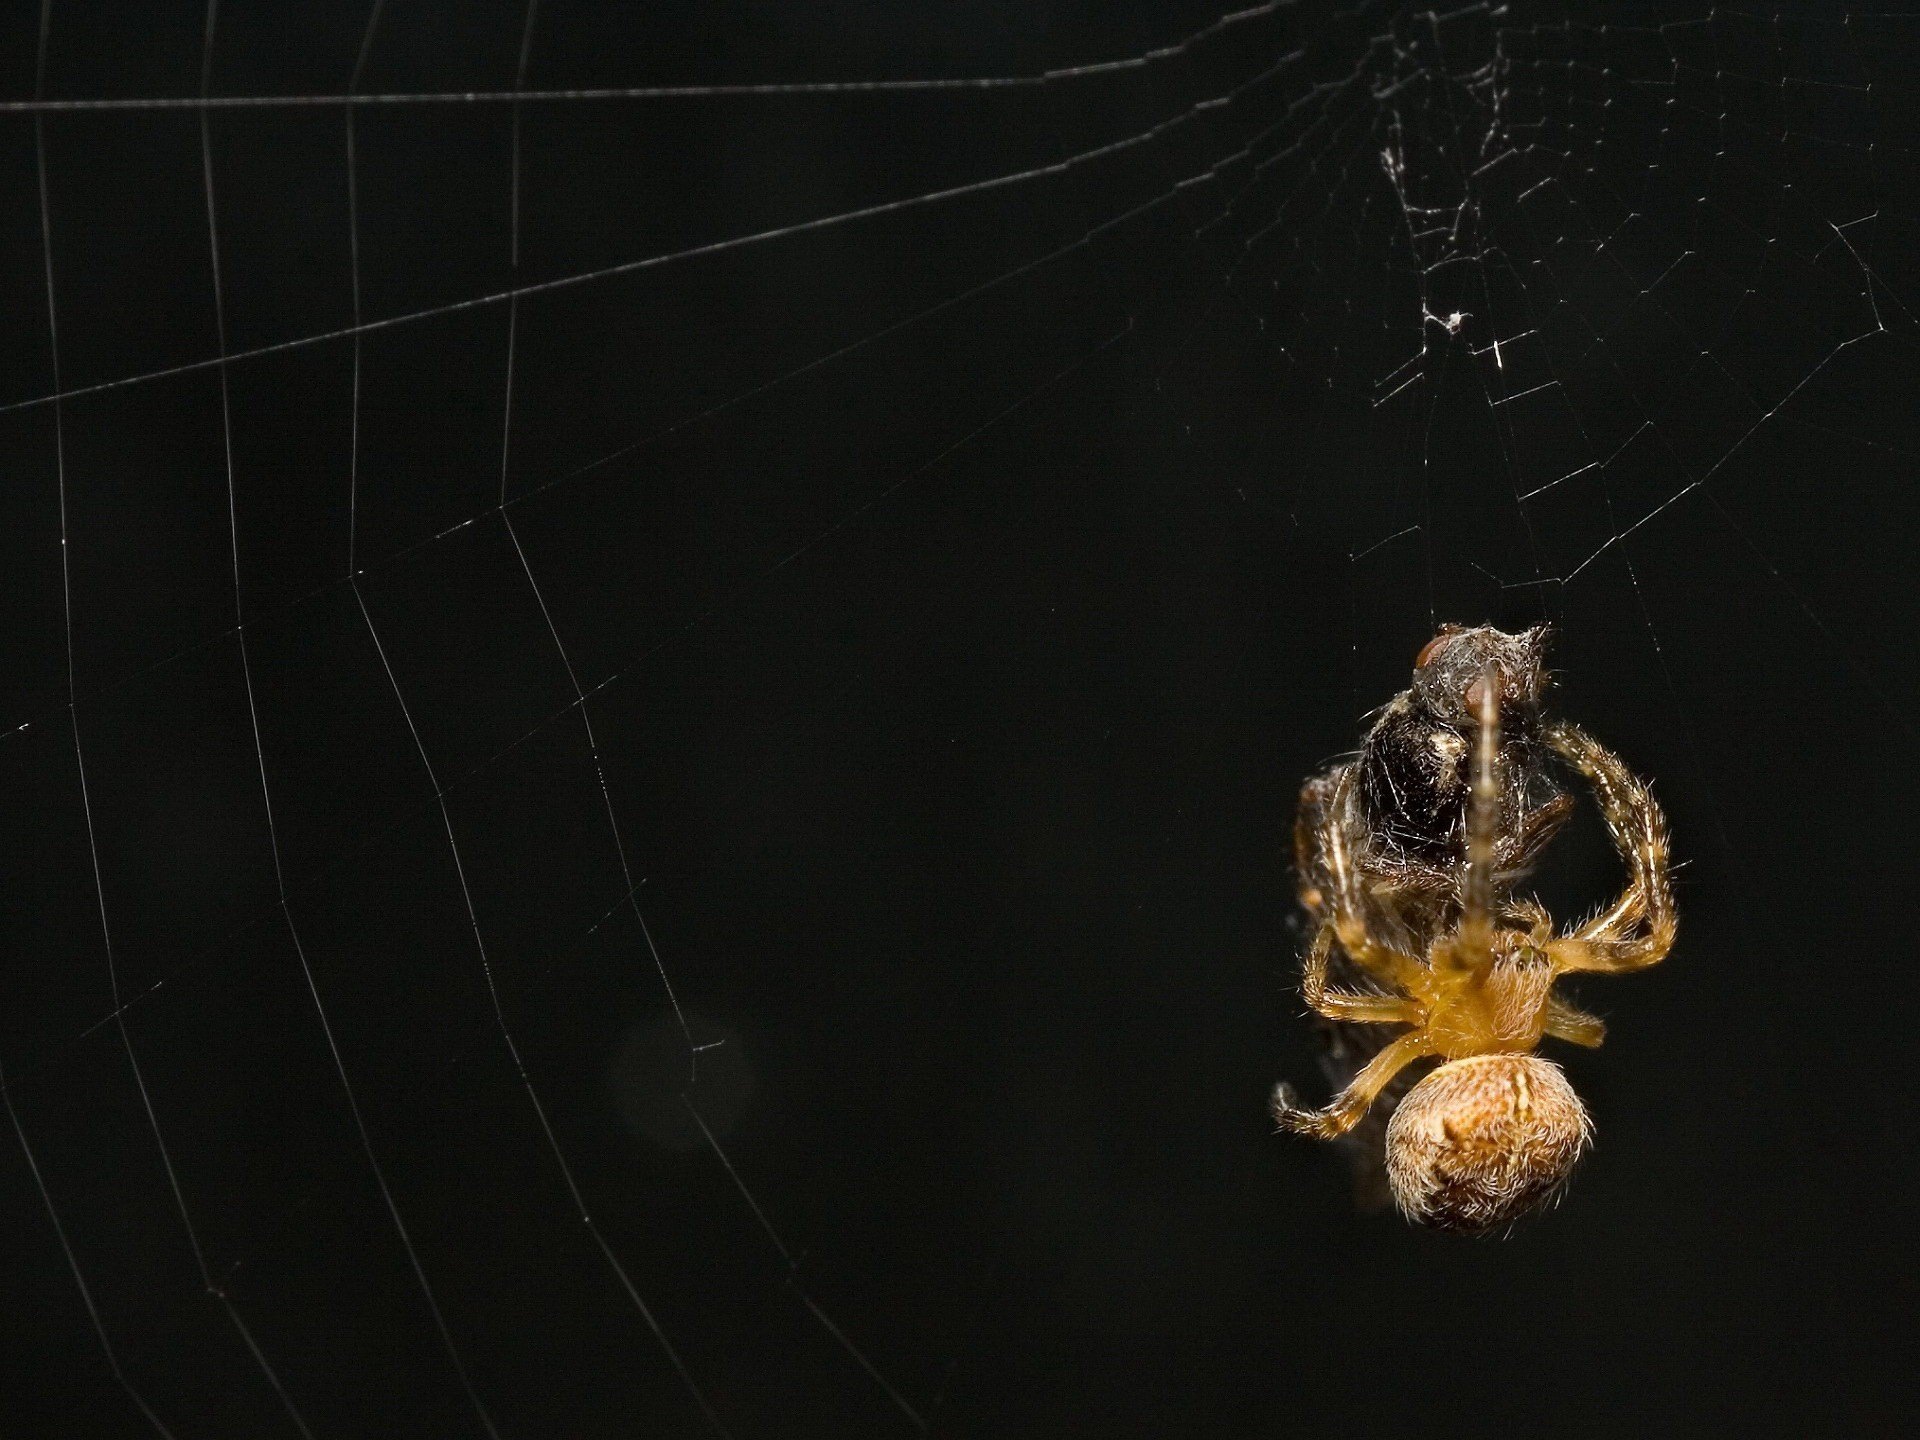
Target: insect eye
{"x": 1426, "y": 651}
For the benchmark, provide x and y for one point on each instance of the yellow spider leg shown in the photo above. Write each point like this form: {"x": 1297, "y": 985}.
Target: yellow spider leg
{"x": 1348, "y": 909}
{"x": 1351, "y": 1104}
{"x": 1346, "y": 1004}
{"x": 1569, "y": 1022}
{"x": 1639, "y": 831}
{"x": 1473, "y": 945}
{"x": 1617, "y": 920}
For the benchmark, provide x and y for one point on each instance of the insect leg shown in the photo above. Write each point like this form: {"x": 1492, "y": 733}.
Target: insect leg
{"x": 1537, "y": 829}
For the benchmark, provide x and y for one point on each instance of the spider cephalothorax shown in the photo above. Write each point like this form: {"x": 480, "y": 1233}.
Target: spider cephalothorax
{"x": 1437, "y": 944}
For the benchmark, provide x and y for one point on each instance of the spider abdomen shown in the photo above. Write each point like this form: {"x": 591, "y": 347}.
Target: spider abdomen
{"x": 1481, "y": 1141}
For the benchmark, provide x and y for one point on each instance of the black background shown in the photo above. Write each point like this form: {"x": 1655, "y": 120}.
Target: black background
{"x": 968, "y": 591}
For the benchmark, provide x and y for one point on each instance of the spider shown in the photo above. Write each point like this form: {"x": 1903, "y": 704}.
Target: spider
{"x": 1405, "y": 814}
{"x": 1444, "y": 950}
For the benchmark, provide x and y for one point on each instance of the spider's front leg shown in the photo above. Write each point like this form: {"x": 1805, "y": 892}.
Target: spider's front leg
{"x": 1309, "y": 837}
{"x": 1474, "y": 947}
{"x": 1347, "y": 908}
{"x": 1351, "y": 1104}
{"x": 1639, "y": 830}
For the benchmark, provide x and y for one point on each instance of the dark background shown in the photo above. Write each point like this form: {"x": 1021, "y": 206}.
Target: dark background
{"x": 959, "y": 596}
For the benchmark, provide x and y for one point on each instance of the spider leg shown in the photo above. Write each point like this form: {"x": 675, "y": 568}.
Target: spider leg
{"x": 1347, "y": 905}
{"x": 1568, "y": 1022}
{"x": 1474, "y": 946}
{"x": 1530, "y": 916}
{"x": 1609, "y": 942}
{"x": 1345, "y": 1004}
{"x": 1308, "y": 828}
{"x": 1617, "y": 920}
{"x": 1351, "y": 1104}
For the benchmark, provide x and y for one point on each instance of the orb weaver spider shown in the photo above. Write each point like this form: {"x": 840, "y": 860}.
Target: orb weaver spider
{"x": 1468, "y": 970}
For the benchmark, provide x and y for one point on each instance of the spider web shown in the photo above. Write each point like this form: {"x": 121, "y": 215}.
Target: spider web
{"x": 656, "y": 659}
